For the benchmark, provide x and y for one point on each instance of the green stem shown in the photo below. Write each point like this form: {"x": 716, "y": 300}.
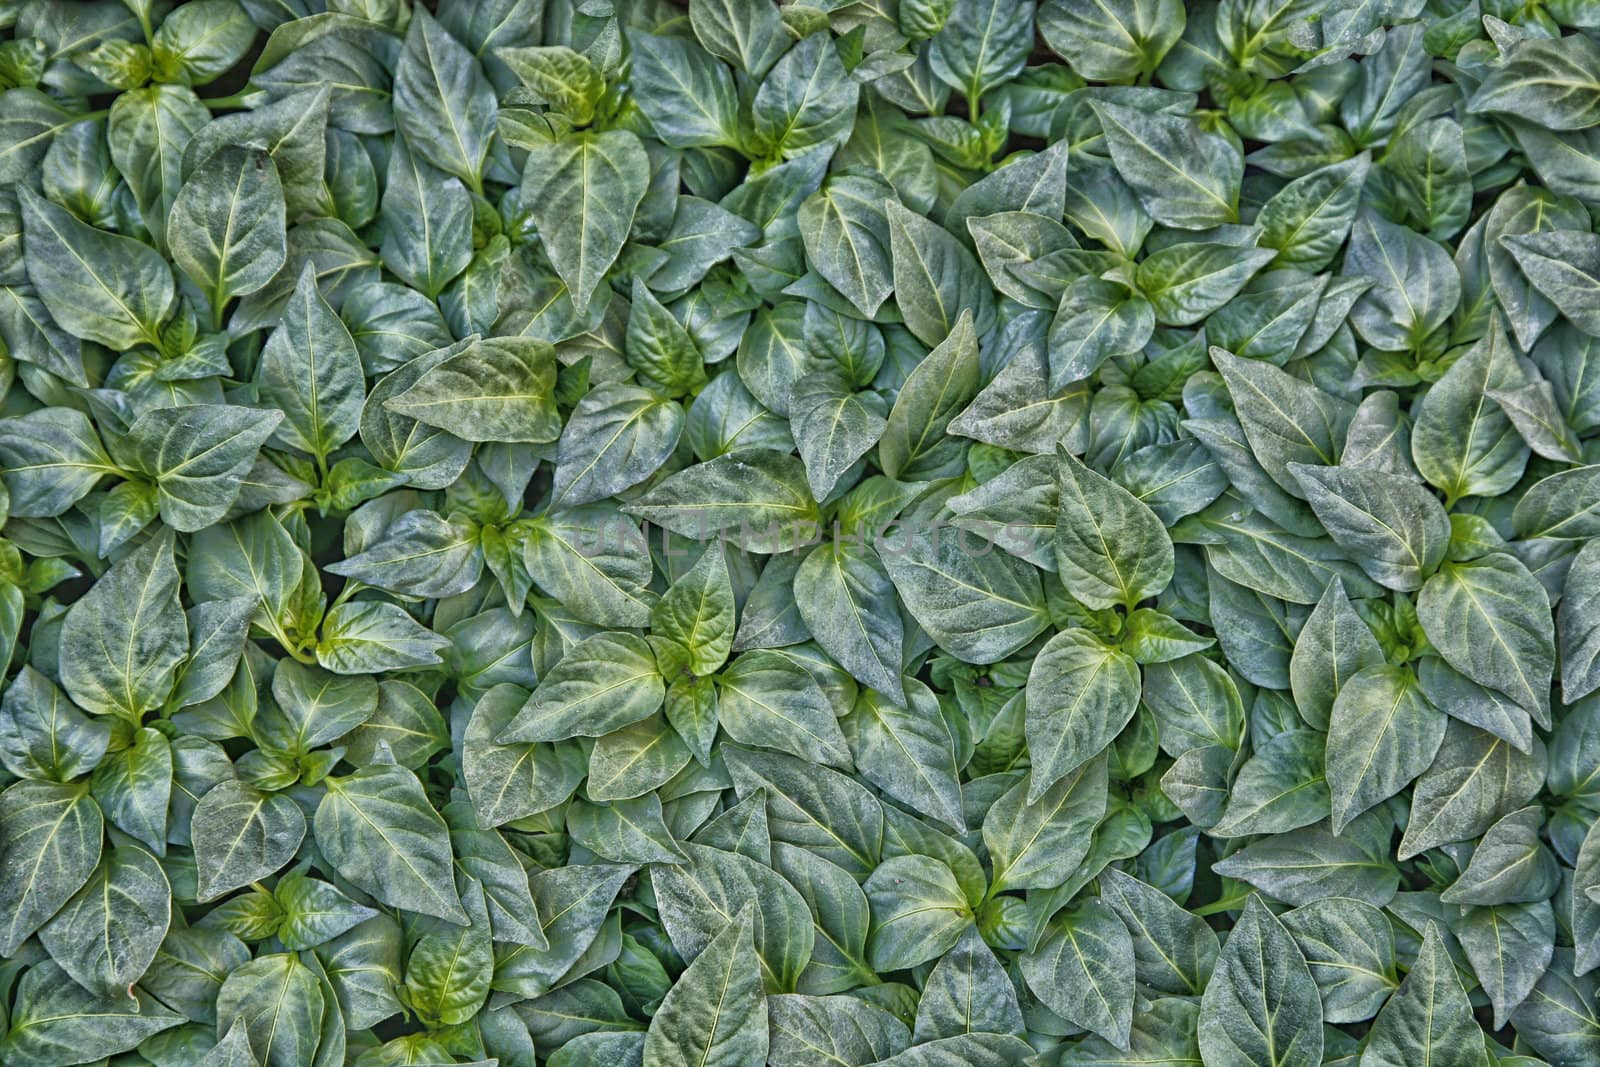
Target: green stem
{"x": 218, "y": 103}
{"x": 351, "y": 587}
{"x": 294, "y": 650}
{"x": 1232, "y": 903}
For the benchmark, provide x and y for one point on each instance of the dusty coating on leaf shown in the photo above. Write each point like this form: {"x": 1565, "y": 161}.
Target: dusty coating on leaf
{"x": 956, "y": 533}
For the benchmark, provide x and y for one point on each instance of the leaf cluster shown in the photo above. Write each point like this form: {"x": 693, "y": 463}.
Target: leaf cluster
{"x": 612, "y": 533}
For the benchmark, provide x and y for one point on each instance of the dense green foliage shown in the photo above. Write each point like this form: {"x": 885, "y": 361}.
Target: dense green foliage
{"x": 933, "y": 533}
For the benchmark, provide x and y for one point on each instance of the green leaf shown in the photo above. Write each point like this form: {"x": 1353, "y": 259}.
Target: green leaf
{"x": 770, "y": 699}
{"x": 227, "y": 228}
{"x": 816, "y": 808}
{"x": 1532, "y": 409}
{"x": 420, "y": 554}
{"x": 557, "y": 75}
{"x": 1548, "y": 82}
{"x": 30, "y": 119}
{"x": 1579, "y": 631}
{"x": 1349, "y": 947}
{"x": 242, "y": 835}
{"x": 918, "y": 912}
{"x": 427, "y": 218}
{"x": 1286, "y": 420}
{"x": 1416, "y": 288}
{"x": 846, "y": 235}
{"x": 509, "y": 782}
{"x": 450, "y": 966}
{"x": 1083, "y": 971}
{"x": 624, "y": 831}
{"x": 253, "y": 557}
{"x": 57, "y": 1021}
{"x": 52, "y": 458}
{"x": 1476, "y": 779}
{"x": 983, "y": 44}
{"x": 618, "y": 435}
{"x": 379, "y": 832}
{"x": 582, "y": 193}
{"x": 590, "y": 559}
{"x": 686, "y": 94}
{"x": 50, "y": 841}
{"x": 1510, "y": 948}
{"x": 979, "y": 607}
{"x": 1163, "y": 1034}
{"x": 967, "y": 993}
{"x": 123, "y": 642}
{"x": 443, "y": 104}
{"x": 716, "y": 1013}
{"x": 1184, "y": 177}
{"x": 1115, "y": 42}
{"x": 1187, "y": 282}
{"x": 133, "y": 787}
{"x": 1461, "y": 444}
{"x": 1081, "y": 693}
{"x": 1261, "y": 1006}
{"x": 1429, "y": 161}
{"x": 368, "y": 636}
{"x": 1561, "y": 506}
{"x": 148, "y": 133}
{"x": 43, "y": 736}
{"x": 1110, "y": 548}
{"x": 746, "y": 33}
{"x": 496, "y": 389}
{"x": 757, "y": 498}
{"x": 1429, "y": 1018}
{"x": 200, "y": 42}
{"x": 914, "y": 445}
{"x": 1557, "y": 1016}
{"x": 280, "y": 1001}
{"x": 1564, "y": 265}
{"x": 1096, "y": 320}
{"x": 572, "y": 903}
{"x": 1036, "y": 844}
{"x": 847, "y": 600}
{"x": 843, "y": 1028}
{"x": 1509, "y": 866}
{"x": 198, "y": 456}
{"x": 658, "y": 348}
{"x": 1382, "y": 734}
{"x": 108, "y": 933}
{"x": 907, "y": 751}
{"x": 1174, "y": 951}
{"x": 935, "y": 278}
{"x": 699, "y": 899}
{"x": 97, "y": 285}
{"x": 1487, "y": 619}
{"x": 310, "y": 371}
{"x": 805, "y": 100}
{"x": 1281, "y": 787}
{"x": 233, "y": 1050}
{"x": 1332, "y": 647}
{"x": 314, "y": 912}
{"x": 600, "y": 685}
{"x": 697, "y": 612}
{"x": 1307, "y": 220}
{"x": 1395, "y": 529}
